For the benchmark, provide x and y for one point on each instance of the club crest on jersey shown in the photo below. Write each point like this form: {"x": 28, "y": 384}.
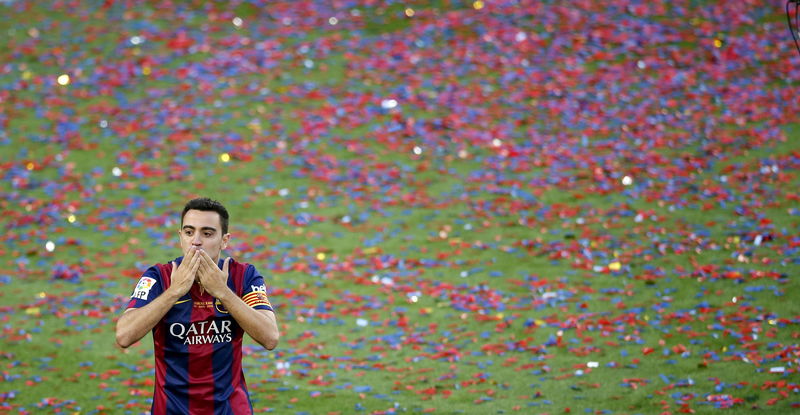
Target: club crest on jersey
{"x": 203, "y": 332}
{"x": 219, "y": 306}
{"x": 142, "y": 289}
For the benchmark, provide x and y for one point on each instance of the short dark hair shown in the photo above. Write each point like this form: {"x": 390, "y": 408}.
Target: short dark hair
{"x": 208, "y": 205}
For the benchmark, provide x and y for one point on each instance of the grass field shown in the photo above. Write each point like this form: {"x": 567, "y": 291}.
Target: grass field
{"x": 460, "y": 207}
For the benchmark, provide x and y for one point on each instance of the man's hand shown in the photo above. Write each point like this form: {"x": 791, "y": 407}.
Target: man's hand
{"x": 213, "y": 279}
{"x": 261, "y": 325}
{"x": 136, "y": 322}
{"x": 184, "y": 275}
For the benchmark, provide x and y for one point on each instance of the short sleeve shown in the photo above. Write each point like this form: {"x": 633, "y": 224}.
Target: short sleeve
{"x": 254, "y": 292}
{"x": 147, "y": 289}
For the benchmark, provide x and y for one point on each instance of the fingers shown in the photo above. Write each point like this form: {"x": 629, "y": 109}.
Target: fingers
{"x": 183, "y": 274}
{"x": 194, "y": 264}
{"x": 189, "y": 264}
{"x": 205, "y": 264}
{"x": 201, "y": 262}
{"x": 187, "y": 259}
{"x": 202, "y": 266}
{"x": 190, "y": 254}
{"x": 209, "y": 267}
{"x": 207, "y": 260}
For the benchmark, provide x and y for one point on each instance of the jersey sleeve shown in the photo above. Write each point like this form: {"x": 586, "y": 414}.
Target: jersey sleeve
{"x": 147, "y": 289}
{"x": 254, "y": 292}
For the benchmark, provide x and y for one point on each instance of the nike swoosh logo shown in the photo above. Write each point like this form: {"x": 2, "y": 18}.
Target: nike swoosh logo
{"x": 182, "y": 301}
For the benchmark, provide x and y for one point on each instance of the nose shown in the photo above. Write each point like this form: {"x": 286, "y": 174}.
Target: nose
{"x": 196, "y": 241}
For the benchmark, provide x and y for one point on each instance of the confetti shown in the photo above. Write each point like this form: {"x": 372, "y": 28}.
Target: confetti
{"x": 446, "y": 197}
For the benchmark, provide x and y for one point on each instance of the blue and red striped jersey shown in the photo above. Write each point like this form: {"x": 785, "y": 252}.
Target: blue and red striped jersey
{"x": 198, "y": 344}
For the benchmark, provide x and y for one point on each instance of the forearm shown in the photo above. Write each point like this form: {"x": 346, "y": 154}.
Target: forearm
{"x": 261, "y": 325}
{"x": 136, "y": 322}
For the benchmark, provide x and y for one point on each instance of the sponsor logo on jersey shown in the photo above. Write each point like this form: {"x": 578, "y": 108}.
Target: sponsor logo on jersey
{"x": 142, "y": 289}
{"x": 203, "y": 332}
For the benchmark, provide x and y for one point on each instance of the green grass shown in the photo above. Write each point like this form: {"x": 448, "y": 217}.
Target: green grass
{"x": 650, "y": 325}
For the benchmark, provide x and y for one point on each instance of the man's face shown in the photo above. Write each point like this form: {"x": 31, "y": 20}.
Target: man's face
{"x": 203, "y": 229}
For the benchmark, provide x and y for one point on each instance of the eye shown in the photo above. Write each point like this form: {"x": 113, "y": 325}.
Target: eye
{"x": 187, "y": 232}
{"x": 208, "y": 234}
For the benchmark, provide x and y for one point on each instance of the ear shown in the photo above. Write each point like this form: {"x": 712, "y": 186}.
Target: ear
{"x": 225, "y": 240}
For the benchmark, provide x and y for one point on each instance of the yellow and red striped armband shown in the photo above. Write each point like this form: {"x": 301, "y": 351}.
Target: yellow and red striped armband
{"x": 256, "y": 298}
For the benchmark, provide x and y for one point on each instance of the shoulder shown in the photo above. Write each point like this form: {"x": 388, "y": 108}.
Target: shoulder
{"x": 159, "y": 271}
{"x": 151, "y": 277}
{"x": 168, "y": 265}
{"x": 250, "y": 271}
{"x": 240, "y": 267}
{"x": 153, "y": 272}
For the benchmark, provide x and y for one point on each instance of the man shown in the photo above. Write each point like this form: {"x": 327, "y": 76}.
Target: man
{"x": 198, "y": 308}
